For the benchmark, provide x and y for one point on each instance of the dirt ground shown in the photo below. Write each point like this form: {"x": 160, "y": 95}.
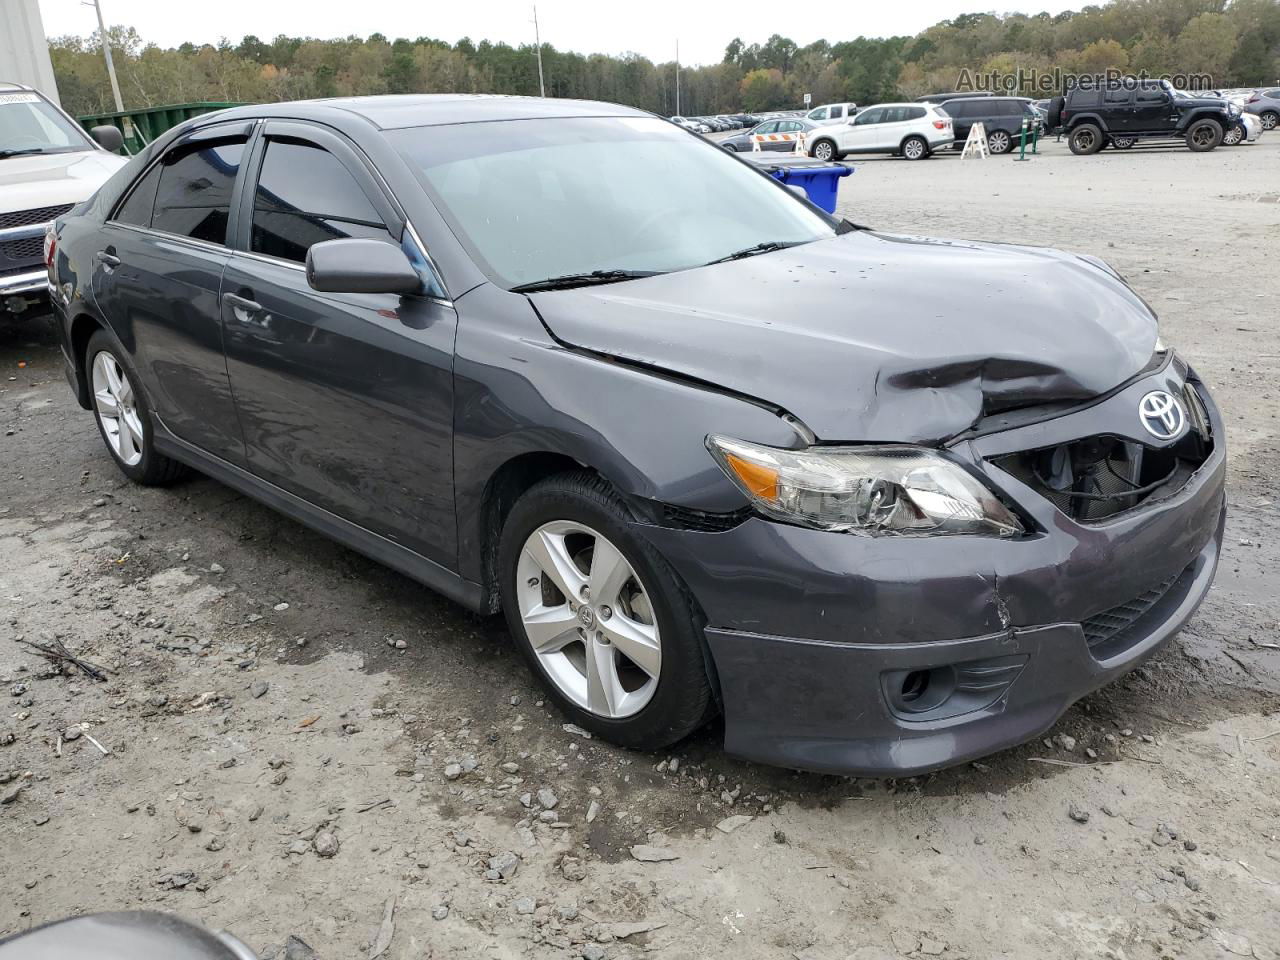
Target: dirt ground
{"x": 285, "y": 770}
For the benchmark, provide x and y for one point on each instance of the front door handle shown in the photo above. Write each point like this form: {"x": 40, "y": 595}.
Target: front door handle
{"x": 234, "y": 301}
{"x": 107, "y": 259}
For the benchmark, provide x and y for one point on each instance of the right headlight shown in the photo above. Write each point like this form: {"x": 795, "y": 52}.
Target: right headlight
{"x": 874, "y": 490}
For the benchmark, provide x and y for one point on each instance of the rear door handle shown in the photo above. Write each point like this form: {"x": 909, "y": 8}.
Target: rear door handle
{"x": 107, "y": 259}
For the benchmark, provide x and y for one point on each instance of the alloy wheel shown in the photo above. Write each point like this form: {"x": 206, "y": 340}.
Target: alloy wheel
{"x": 998, "y": 142}
{"x": 823, "y": 151}
{"x": 1203, "y": 136}
{"x": 115, "y": 403}
{"x": 1232, "y": 136}
{"x": 1270, "y": 120}
{"x": 589, "y": 619}
{"x": 914, "y": 150}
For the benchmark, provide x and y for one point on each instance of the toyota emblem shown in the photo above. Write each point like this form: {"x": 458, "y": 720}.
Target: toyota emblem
{"x": 1162, "y": 414}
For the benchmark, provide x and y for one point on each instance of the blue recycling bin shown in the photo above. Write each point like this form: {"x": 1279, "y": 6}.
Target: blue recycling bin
{"x": 820, "y": 181}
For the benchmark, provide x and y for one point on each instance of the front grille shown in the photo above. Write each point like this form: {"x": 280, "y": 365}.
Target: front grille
{"x": 1110, "y": 625}
{"x": 27, "y": 218}
{"x": 22, "y": 251}
{"x": 1095, "y": 478}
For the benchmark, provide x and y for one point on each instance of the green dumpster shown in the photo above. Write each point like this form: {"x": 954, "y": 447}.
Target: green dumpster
{"x": 143, "y": 125}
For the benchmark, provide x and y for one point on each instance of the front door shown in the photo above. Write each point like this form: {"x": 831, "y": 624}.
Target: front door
{"x": 863, "y": 131}
{"x": 1151, "y": 108}
{"x": 156, "y": 278}
{"x": 346, "y": 400}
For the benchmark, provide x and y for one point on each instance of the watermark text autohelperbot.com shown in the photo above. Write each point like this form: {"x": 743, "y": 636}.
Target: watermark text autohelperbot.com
{"x": 1049, "y": 82}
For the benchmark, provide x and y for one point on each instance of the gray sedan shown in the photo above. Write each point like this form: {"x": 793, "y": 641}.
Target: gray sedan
{"x": 710, "y": 450}
{"x": 775, "y": 135}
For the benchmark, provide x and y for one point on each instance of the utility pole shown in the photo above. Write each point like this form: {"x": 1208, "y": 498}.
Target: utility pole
{"x": 537, "y": 38}
{"x": 106, "y": 52}
{"x": 678, "y": 78}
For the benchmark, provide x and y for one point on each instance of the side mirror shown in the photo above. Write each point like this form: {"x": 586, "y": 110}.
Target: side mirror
{"x": 108, "y": 137}
{"x": 360, "y": 266}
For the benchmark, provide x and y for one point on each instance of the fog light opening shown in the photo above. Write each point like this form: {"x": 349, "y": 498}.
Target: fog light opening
{"x": 914, "y": 686}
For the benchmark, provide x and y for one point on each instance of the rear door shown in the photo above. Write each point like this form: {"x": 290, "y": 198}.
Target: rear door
{"x": 156, "y": 278}
{"x": 346, "y": 400}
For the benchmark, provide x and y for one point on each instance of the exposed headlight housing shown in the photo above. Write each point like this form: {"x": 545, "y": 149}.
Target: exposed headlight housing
{"x": 872, "y": 490}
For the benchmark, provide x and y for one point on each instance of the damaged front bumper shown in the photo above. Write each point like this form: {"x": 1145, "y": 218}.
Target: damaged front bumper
{"x": 896, "y": 656}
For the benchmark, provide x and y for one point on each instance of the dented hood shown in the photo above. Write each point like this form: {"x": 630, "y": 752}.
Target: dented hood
{"x": 875, "y": 337}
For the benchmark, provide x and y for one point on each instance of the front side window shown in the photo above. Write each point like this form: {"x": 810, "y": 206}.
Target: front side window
{"x": 867, "y": 117}
{"x": 29, "y": 124}
{"x": 305, "y": 196}
{"x": 536, "y": 199}
{"x": 1151, "y": 95}
{"x": 819, "y": 114}
{"x": 1116, "y": 95}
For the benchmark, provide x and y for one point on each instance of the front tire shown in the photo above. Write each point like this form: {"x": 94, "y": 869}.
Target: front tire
{"x": 1203, "y": 136}
{"x": 123, "y": 416}
{"x": 1123, "y": 143}
{"x": 1234, "y": 135}
{"x": 823, "y": 150}
{"x": 1085, "y": 139}
{"x": 915, "y": 148}
{"x": 600, "y": 617}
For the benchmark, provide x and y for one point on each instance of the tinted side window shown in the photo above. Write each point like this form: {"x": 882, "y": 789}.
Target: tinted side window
{"x": 136, "y": 208}
{"x": 869, "y": 116}
{"x": 915, "y": 113}
{"x": 193, "y": 198}
{"x": 304, "y": 196}
{"x": 1116, "y": 95}
{"x": 1150, "y": 95}
{"x": 837, "y": 112}
{"x": 1084, "y": 99}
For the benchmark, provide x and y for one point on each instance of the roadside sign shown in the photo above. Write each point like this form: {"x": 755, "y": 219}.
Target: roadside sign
{"x": 808, "y": 99}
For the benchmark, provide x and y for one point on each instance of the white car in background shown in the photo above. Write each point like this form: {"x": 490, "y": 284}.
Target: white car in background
{"x": 48, "y": 164}
{"x": 913, "y": 130}
{"x": 697, "y": 126}
{"x": 832, "y": 113}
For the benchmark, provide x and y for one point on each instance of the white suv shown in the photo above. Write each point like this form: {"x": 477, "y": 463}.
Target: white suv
{"x": 48, "y": 164}
{"x": 913, "y": 130}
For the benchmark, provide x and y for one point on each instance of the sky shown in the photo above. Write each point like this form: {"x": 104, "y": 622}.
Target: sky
{"x": 650, "y": 28}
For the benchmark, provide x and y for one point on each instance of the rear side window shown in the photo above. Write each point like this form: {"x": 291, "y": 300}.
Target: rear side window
{"x": 837, "y": 112}
{"x": 915, "y": 113}
{"x": 304, "y": 196}
{"x": 193, "y": 197}
{"x": 136, "y": 209}
{"x": 1083, "y": 99}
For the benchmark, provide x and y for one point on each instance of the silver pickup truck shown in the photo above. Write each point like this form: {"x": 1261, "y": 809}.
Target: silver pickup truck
{"x": 48, "y": 164}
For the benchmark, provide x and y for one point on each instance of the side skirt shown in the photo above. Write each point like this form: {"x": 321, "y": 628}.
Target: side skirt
{"x": 372, "y": 545}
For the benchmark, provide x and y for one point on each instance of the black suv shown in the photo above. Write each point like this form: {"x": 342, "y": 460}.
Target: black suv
{"x": 1001, "y": 118}
{"x": 1126, "y": 111}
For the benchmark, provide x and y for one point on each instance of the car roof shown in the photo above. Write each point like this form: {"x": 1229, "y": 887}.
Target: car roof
{"x": 871, "y": 106}
{"x": 12, "y": 85}
{"x": 393, "y": 112}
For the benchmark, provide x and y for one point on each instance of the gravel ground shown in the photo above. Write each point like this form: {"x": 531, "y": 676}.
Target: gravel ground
{"x": 294, "y": 742}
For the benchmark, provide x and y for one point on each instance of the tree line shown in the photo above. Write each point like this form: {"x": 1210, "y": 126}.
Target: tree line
{"x": 1237, "y": 43}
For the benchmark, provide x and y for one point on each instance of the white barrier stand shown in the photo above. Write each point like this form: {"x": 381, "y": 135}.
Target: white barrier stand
{"x": 802, "y": 145}
{"x": 976, "y": 144}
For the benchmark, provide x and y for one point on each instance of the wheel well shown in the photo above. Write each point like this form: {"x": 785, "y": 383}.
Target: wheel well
{"x": 505, "y": 487}
{"x": 82, "y": 328}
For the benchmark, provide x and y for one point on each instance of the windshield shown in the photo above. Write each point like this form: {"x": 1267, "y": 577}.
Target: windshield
{"x": 30, "y": 124}
{"x": 537, "y": 199}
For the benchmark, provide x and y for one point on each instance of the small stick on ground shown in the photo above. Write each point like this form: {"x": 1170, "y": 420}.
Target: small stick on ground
{"x": 58, "y": 653}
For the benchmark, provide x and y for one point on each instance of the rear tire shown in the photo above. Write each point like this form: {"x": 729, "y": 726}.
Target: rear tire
{"x": 1270, "y": 119}
{"x": 1085, "y": 139}
{"x": 123, "y": 415}
{"x": 682, "y": 700}
{"x": 999, "y": 141}
{"x": 1203, "y": 136}
{"x": 915, "y": 148}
